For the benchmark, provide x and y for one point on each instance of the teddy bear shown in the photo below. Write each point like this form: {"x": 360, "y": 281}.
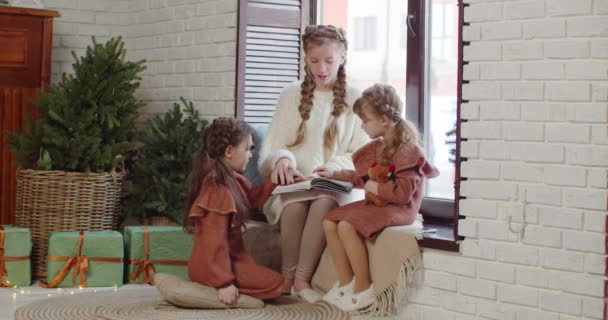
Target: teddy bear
{"x": 380, "y": 174}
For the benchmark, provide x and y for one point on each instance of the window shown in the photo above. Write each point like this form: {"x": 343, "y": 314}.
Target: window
{"x": 365, "y": 33}
{"x": 269, "y": 54}
{"x": 417, "y": 52}
{"x": 404, "y": 30}
{"x": 440, "y": 112}
{"x": 444, "y": 14}
{"x": 385, "y": 64}
{"x": 413, "y": 45}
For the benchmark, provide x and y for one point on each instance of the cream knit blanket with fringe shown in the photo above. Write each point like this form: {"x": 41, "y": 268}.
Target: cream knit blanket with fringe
{"x": 395, "y": 265}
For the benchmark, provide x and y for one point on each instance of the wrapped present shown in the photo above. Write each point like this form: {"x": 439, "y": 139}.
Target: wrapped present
{"x": 15, "y": 250}
{"x": 85, "y": 259}
{"x": 153, "y": 249}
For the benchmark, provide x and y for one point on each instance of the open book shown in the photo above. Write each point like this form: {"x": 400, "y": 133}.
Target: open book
{"x": 316, "y": 183}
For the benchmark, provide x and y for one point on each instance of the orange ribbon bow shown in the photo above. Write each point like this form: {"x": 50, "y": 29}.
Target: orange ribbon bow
{"x": 3, "y": 271}
{"x": 80, "y": 264}
{"x": 147, "y": 266}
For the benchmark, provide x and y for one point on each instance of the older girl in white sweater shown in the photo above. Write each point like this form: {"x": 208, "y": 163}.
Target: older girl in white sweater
{"x": 313, "y": 126}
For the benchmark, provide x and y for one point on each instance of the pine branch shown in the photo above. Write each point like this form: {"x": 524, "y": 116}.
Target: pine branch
{"x": 451, "y": 141}
{"x": 87, "y": 121}
{"x": 164, "y": 161}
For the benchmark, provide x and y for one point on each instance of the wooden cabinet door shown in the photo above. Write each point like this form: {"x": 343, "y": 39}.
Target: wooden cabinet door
{"x": 25, "y": 61}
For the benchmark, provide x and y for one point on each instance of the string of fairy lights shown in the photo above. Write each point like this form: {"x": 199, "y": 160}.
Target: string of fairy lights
{"x": 21, "y": 293}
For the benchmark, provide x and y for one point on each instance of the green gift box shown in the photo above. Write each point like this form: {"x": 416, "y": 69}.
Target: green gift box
{"x": 87, "y": 259}
{"x": 168, "y": 251}
{"x": 15, "y": 251}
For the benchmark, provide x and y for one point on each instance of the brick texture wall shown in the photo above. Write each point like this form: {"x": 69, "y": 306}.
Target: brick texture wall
{"x": 189, "y": 46}
{"x": 79, "y": 21}
{"x": 537, "y": 147}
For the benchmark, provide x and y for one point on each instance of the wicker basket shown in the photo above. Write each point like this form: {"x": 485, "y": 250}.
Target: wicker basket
{"x": 65, "y": 201}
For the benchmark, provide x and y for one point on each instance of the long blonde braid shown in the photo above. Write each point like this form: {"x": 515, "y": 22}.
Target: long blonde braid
{"x": 317, "y": 35}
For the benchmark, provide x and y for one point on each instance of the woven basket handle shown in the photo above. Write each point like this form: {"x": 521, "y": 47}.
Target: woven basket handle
{"x": 114, "y": 173}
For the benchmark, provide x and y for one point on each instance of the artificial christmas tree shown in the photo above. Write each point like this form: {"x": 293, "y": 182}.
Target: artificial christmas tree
{"x": 87, "y": 121}
{"x": 164, "y": 162}
{"x": 68, "y": 157}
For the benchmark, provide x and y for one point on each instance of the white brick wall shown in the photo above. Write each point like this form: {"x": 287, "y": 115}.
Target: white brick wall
{"x": 189, "y": 46}
{"x": 79, "y": 21}
{"x": 536, "y": 143}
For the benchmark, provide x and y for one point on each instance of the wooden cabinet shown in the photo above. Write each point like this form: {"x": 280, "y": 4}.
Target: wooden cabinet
{"x": 25, "y": 63}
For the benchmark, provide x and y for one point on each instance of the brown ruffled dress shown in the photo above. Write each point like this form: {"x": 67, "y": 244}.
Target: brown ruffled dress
{"x": 218, "y": 256}
{"x": 403, "y": 193}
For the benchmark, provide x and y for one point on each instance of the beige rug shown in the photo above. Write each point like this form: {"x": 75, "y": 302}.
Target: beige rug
{"x": 149, "y": 305}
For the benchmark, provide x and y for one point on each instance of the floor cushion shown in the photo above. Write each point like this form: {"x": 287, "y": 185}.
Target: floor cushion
{"x": 188, "y": 294}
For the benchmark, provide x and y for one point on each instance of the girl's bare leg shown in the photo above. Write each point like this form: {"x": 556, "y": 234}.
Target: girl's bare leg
{"x": 338, "y": 254}
{"x": 354, "y": 246}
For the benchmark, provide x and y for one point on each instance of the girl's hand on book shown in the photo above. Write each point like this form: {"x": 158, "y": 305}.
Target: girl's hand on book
{"x": 323, "y": 172}
{"x": 228, "y": 295}
{"x": 371, "y": 186}
{"x": 298, "y": 176}
{"x": 282, "y": 172}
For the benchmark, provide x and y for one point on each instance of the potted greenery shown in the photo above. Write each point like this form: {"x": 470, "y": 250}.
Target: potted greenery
{"x": 163, "y": 164}
{"x": 68, "y": 157}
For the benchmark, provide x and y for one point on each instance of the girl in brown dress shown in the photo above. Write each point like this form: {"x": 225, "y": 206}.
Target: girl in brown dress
{"x": 396, "y": 146}
{"x": 218, "y": 203}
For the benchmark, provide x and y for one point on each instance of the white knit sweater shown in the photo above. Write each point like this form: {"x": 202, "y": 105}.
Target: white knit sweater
{"x": 310, "y": 153}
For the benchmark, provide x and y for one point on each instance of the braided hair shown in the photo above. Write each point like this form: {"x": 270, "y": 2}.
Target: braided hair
{"x": 222, "y": 132}
{"x": 316, "y": 35}
{"x": 382, "y": 100}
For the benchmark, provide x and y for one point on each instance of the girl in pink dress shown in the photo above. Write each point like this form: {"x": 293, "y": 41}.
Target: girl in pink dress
{"x": 395, "y": 145}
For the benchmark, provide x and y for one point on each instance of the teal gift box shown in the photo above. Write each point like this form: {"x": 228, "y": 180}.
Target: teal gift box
{"x": 85, "y": 259}
{"x": 168, "y": 251}
{"x": 15, "y": 251}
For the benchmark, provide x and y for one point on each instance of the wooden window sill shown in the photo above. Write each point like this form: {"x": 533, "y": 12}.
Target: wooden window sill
{"x": 442, "y": 239}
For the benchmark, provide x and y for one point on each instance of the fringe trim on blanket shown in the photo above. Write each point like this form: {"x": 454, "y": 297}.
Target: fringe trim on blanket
{"x": 393, "y": 297}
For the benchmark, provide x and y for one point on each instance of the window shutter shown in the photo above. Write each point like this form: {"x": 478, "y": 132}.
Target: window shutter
{"x": 269, "y": 54}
